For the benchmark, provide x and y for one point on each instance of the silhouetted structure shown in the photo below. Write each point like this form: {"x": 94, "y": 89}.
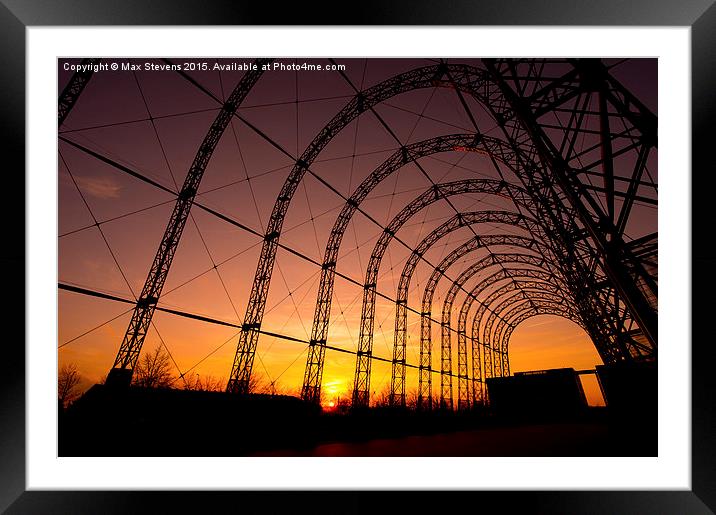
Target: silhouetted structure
{"x": 631, "y": 392}
{"x": 538, "y": 394}
{"x": 571, "y": 151}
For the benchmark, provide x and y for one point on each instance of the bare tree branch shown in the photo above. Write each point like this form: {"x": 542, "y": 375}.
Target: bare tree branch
{"x": 68, "y": 380}
{"x": 154, "y": 370}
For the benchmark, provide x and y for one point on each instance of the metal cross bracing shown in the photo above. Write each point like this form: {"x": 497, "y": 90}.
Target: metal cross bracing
{"x": 499, "y": 259}
{"x": 458, "y": 285}
{"x": 524, "y": 290}
{"x": 361, "y": 102}
{"x": 434, "y": 194}
{"x": 416, "y": 79}
{"x": 74, "y": 88}
{"x": 549, "y": 279}
{"x": 397, "y": 395}
{"x": 558, "y": 101}
{"x": 610, "y": 282}
{"x": 131, "y": 346}
{"x": 405, "y": 155}
{"x": 499, "y": 341}
{"x": 621, "y": 330}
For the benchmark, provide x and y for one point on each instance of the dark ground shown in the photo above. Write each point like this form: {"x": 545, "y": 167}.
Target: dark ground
{"x": 139, "y": 422}
{"x": 555, "y": 439}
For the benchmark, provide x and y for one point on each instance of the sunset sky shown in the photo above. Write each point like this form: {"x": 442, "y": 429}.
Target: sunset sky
{"x": 154, "y": 122}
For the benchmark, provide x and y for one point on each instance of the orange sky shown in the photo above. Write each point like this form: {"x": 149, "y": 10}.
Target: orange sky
{"x": 291, "y": 108}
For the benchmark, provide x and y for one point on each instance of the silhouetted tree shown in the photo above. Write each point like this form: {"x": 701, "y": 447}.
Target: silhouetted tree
{"x": 257, "y": 384}
{"x": 204, "y": 384}
{"x": 154, "y": 370}
{"x": 411, "y": 399}
{"x": 382, "y": 398}
{"x": 210, "y": 383}
{"x": 68, "y": 380}
{"x": 278, "y": 388}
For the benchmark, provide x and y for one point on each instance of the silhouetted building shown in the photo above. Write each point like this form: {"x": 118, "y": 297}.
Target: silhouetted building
{"x": 540, "y": 393}
{"x": 630, "y": 389}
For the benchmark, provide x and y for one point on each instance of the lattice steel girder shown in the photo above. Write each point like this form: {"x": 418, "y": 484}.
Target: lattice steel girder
{"x": 500, "y": 275}
{"x": 446, "y": 391}
{"x": 614, "y": 257}
{"x": 319, "y": 332}
{"x": 433, "y": 194}
{"x": 469, "y": 79}
{"x": 446, "y": 321}
{"x": 431, "y": 285}
{"x": 126, "y": 360}
{"x": 503, "y": 343}
{"x": 491, "y": 337}
{"x": 517, "y": 307}
{"x": 473, "y": 80}
{"x": 74, "y": 88}
{"x": 397, "y": 391}
{"x": 530, "y": 299}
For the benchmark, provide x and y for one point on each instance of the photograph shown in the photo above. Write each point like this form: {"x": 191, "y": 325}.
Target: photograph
{"x": 384, "y": 257}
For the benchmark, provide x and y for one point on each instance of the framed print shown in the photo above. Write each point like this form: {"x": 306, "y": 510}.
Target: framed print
{"x": 253, "y": 264}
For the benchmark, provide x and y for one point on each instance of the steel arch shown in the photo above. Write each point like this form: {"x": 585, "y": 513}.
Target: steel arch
{"x": 525, "y": 87}
{"x": 73, "y": 89}
{"x": 525, "y": 286}
{"x": 425, "y": 380}
{"x": 534, "y": 307}
{"x": 397, "y": 391}
{"x": 474, "y": 80}
{"x": 433, "y": 194}
{"x": 446, "y": 345}
{"x": 410, "y": 153}
{"x": 504, "y": 343}
{"x": 470, "y": 79}
{"x": 492, "y": 339}
{"x": 121, "y": 372}
{"x": 500, "y": 275}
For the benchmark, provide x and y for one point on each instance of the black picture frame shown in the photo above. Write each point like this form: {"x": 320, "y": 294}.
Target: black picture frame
{"x": 700, "y": 15}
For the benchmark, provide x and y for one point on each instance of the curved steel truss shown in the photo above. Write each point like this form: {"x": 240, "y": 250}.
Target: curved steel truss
{"x": 577, "y": 146}
{"x": 397, "y": 392}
